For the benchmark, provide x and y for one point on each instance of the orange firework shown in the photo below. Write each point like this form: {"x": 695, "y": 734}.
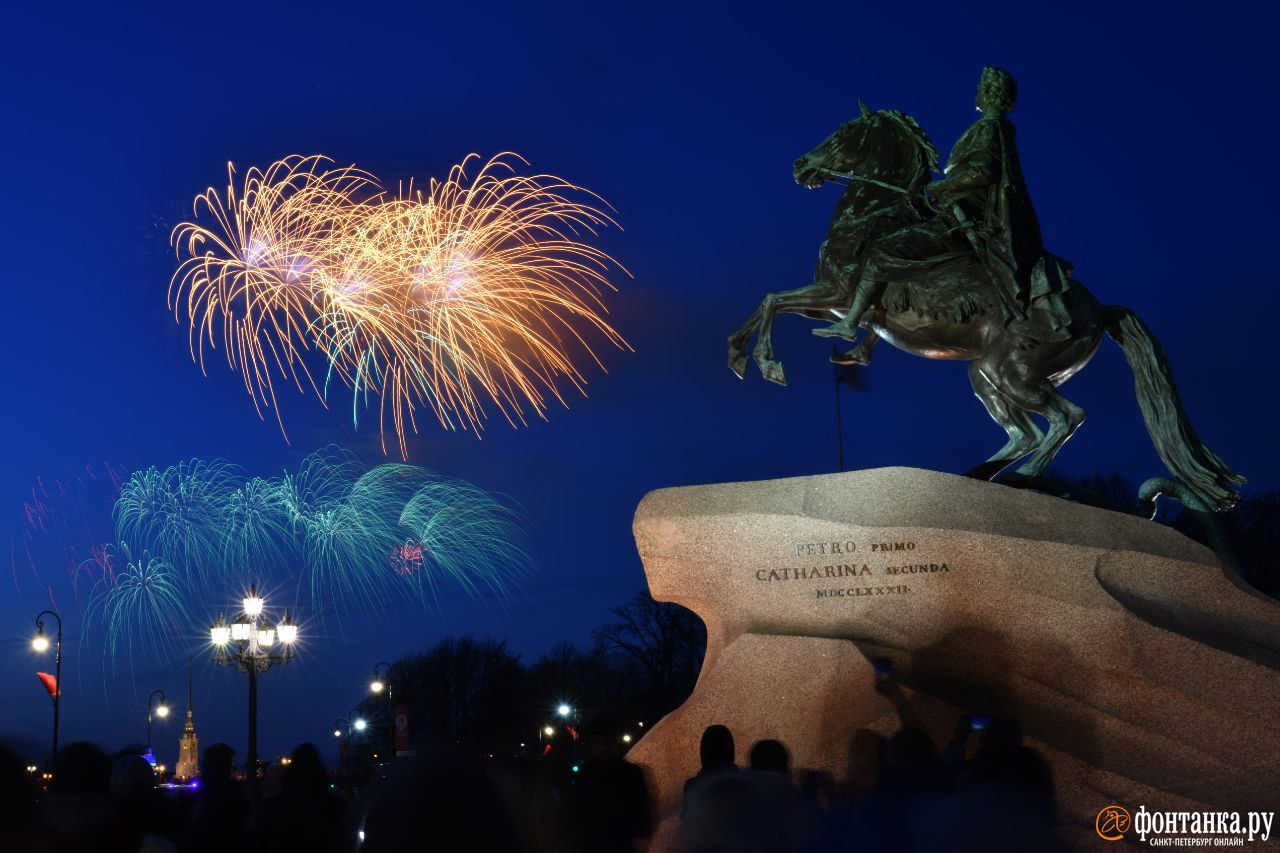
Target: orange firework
{"x": 469, "y": 296}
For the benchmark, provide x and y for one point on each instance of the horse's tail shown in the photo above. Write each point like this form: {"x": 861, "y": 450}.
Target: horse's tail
{"x": 1190, "y": 459}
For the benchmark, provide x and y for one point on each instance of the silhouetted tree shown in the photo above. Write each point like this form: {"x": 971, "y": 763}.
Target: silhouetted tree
{"x": 462, "y": 690}
{"x": 1252, "y": 532}
{"x": 658, "y": 647}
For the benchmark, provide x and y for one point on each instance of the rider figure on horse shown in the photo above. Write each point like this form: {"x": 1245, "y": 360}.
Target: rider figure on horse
{"x": 982, "y": 208}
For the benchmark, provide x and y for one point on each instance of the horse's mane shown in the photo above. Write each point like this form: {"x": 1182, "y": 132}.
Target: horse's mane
{"x": 917, "y": 134}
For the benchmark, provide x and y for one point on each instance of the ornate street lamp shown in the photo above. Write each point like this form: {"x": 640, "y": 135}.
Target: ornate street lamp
{"x": 161, "y": 711}
{"x": 41, "y": 644}
{"x": 340, "y": 726}
{"x": 248, "y": 644}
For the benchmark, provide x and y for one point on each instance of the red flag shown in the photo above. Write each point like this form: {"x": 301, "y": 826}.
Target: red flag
{"x": 50, "y": 683}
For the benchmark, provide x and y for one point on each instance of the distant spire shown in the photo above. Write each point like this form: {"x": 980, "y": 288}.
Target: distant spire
{"x": 188, "y": 745}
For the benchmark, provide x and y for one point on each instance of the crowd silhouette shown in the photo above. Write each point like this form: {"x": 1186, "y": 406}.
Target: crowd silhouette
{"x": 983, "y": 790}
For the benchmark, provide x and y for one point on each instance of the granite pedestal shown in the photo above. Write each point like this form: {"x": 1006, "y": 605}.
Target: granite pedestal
{"x": 1139, "y": 666}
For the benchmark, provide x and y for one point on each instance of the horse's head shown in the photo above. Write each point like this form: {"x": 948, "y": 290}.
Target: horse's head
{"x": 884, "y": 144}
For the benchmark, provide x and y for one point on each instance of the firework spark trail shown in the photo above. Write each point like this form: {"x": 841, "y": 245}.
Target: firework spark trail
{"x": 180, "y": 512}
{"x": 142, "y": 608}
{"x": 62, "y": 523}
{"x": 473, "y": 294}
{"x": 458, "y": 526}
{"x": 242, "y": 279}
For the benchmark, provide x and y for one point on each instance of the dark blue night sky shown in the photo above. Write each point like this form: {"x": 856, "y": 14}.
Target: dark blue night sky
{"x": 1147, "y": 133}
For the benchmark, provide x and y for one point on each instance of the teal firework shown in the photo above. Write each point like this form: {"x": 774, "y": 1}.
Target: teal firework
{"x": 344, "y": 539}
{"x": 258, "y": 532}
{"x": 141, "y": 603}
{"x": 323, "y": 480}
{"x": 179, "y": 512}
{"x": 461, "y": 536}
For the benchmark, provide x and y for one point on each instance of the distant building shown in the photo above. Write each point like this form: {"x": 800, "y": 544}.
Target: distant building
{"x": 188, "y": 745}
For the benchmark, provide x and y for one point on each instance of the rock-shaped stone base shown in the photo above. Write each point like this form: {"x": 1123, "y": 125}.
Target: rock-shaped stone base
{"x": 1142, "y": 669}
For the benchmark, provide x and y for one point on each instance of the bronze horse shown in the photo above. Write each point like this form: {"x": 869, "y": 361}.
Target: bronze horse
{"x": 960, "y": 317}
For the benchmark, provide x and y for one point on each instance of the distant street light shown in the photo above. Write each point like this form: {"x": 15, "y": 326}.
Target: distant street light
{"x": 548, "y": 731}
{"x": 382, "y": 681}
{"x": 41, "y": 644}
{"x": 246, "y": 644}
{"x": 361, "y": 724}
{"x": 564, "y": 710}
{"x": 626, "y": 738}
{"x": 160, "y": 711}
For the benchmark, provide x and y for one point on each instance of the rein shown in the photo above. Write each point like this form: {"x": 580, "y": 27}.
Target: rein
{"x": 835, "y": 177}
{"x": 854, "y": 176}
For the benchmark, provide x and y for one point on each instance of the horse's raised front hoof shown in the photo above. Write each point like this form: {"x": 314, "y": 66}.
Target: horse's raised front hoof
{"x": 738, "y": 363}
{"x": 772, "y": 370}
{"x": 835, "y": 330}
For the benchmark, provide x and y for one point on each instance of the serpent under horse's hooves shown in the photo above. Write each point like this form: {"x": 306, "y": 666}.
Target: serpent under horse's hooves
{"x": 1013, "y": 374}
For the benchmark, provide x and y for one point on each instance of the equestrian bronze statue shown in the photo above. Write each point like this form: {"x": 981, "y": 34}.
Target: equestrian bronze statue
{"x": 956, "y": 268}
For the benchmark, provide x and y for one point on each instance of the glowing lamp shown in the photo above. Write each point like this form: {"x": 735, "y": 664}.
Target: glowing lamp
{"x": 40, "y": 643}
{"x": 220, "y": 634}
{"x": 287, "y": 631}
{"x": 360, "y": 725}
{"x": 337, "y": 733}
{"x": 253, "y": 604}
{"x": 162, "y": 711}
{"x": 563, "y": 710}
{"x": 376, "y": 686}
{"x": 240, "y": 631}
{"x": 548, "y": 731}
{"x": 266, "y": 637}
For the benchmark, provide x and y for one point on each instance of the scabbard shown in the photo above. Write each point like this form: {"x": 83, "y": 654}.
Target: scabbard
{"x": 1006, "y": 299}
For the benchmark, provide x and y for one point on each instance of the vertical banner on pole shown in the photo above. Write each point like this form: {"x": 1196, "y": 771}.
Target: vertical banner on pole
{"x": 402, "y": 729}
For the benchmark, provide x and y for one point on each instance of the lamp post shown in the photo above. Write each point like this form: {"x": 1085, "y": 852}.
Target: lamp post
{"x": 382, "y": 681}
{"x": 161, "y": 711}
{"x": 247, "y": 644}
{"x": 341, "y": 724}
{"x": 41, "y": 644}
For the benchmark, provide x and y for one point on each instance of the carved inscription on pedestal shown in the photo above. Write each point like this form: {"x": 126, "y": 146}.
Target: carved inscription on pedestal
{"x": 856, "y": 568}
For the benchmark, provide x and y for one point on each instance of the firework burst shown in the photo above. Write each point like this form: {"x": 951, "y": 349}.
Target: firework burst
{"x": 141, "y": 603}
{"x": 180, "y": 513}
{"x": 324, "y": 529}
{"x": 469, "y": 297}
